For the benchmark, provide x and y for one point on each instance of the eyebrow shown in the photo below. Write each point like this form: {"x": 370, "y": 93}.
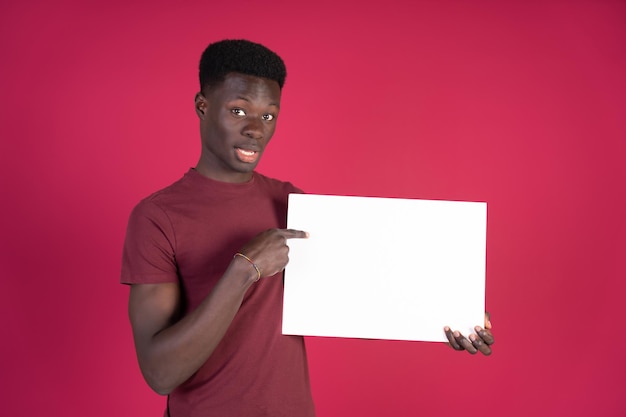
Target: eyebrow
{"x": 248, "y": 100}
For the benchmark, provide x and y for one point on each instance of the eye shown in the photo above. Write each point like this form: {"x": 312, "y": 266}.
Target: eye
{"x": 268, "y": 117}
{"x": 238, "y": 112}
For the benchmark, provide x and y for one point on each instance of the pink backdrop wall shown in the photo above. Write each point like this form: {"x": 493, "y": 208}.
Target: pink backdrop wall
{"x": 520, "y": 104}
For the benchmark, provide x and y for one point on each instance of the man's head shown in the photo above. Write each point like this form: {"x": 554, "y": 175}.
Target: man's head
{"x": 239, "y": 56}
{"x": 238, "y": 105}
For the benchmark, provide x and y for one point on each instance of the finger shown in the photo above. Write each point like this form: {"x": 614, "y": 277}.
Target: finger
{"x": 487, "y": 320}
{"x": 451, "y": 340}
{"x": 485, "y": 335}
{"x": 480, "y": 345}
{"x": 466, "y": 344}
{"x": 293, "y": 234}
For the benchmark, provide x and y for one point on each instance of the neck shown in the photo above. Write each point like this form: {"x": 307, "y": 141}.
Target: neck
{"x": 216, "y": 175}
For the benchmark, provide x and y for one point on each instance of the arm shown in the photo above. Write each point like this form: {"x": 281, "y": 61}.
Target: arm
{"x": 171, "y": 348}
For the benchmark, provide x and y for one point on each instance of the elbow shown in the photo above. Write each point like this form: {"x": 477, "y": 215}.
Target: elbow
{"x": 161, "y": 387}
{"x": 161, "y": 390}
{"x": 160, "y": 383}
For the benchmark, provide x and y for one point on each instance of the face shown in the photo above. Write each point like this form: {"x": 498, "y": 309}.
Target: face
{"x": 237, "y": 121}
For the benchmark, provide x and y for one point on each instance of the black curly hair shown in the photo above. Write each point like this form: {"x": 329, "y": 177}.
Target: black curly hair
{"x": 240, "y": 56}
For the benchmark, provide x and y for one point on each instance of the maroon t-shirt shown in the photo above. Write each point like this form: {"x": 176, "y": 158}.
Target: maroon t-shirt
{"x": 187, "y": 233}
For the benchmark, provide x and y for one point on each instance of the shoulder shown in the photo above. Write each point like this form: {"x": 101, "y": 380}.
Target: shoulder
{"x": 283, "y": 187}
{"x": 160, "y": 201}
{"x": 154, "y": 212}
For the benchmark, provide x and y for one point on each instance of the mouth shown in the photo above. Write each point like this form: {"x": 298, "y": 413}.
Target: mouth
{"x": 247, "y": 156}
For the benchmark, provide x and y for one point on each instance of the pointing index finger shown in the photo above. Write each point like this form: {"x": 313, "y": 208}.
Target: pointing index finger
{"x": 294, "y": 234}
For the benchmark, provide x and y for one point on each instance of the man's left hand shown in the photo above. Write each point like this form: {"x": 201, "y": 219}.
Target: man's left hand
{"x": 479, "y": 342}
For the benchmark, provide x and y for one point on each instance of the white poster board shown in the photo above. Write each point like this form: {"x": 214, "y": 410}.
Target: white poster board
{"x": 384, "y": 268}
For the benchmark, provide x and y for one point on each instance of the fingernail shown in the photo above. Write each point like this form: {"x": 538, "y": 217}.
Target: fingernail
{"x": 472, "y": 337}
{"x": 457, "y": 333}
{"x": 478, "y": 328}
{"x": 446, "y": 329}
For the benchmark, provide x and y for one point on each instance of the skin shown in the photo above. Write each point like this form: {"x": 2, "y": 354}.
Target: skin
{"x": 238, "y": 114}
{"x": 479, "y": 342}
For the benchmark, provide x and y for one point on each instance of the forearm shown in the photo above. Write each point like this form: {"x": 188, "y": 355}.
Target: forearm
{"x": 170, "y": 356}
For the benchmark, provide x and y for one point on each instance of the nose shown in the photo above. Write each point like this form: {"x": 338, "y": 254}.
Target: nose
{"x": 253, "y": 129}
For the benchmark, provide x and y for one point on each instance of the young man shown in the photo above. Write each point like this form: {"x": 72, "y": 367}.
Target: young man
{"x": 205, "y": 256}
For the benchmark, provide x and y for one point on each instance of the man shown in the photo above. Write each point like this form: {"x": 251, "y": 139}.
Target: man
{"x": 205, "y": 256}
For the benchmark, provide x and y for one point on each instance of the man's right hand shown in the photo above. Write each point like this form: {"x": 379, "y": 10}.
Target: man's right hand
{"x": 269, "y": 250}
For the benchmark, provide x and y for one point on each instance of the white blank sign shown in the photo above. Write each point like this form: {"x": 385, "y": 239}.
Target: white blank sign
{"x": 384, "y": 268}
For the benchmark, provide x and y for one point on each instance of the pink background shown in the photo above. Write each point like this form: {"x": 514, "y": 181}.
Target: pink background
{"x": 520, "y": 104}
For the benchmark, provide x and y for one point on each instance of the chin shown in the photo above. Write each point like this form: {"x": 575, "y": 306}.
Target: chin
{"x": 245, "y": 166}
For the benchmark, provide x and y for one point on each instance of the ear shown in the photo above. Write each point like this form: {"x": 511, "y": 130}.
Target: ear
{"x": 201, "y": 105}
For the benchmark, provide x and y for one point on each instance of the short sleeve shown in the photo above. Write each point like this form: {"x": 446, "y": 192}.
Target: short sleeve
{"x": 148, "y": 256}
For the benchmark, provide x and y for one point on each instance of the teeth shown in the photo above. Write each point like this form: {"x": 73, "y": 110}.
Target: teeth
{"x": 247, "y": 153}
